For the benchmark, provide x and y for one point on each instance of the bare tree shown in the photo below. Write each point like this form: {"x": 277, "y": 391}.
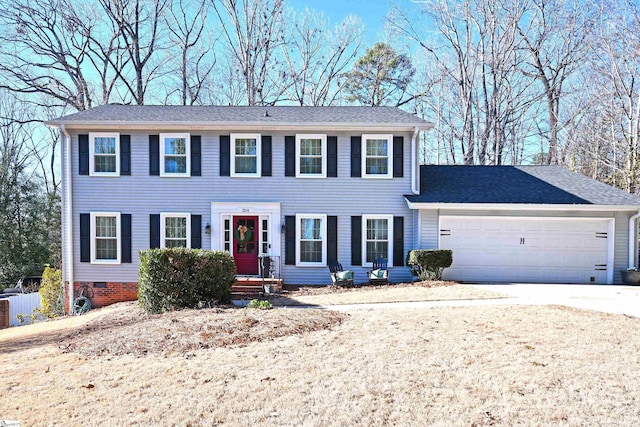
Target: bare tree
{"x": 41, "y": 52}
{"x": 316, "y": 56}
{"x": 253, "y": 33}
{"x": 186, "y": 22}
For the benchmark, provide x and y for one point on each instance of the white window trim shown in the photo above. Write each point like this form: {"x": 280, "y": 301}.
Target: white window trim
{"x": 389, "y": 219}
{"x": 92, "y": 153}
{"x": 94, "y": 260}
{"x": 389, "y": 139}
{"x": 258, "y": 138}
{"x": 163, "y": 226}
{"x": 323, "y": 262}
{"x": 323, "y": 138}
{"x": 187, "y": 137}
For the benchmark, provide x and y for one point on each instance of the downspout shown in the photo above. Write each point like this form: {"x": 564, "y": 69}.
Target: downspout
{"x": 632, "y": 240}
{"x": 415, "y": 186}
{"x": 68, "y": 211}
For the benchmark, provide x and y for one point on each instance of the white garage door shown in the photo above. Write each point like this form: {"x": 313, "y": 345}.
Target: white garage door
{"x": 509, "y": 249}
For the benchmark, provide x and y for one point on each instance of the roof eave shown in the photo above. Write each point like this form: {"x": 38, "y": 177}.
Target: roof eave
{"x": 207, "y": 125}
{"x": 520, "y": 206}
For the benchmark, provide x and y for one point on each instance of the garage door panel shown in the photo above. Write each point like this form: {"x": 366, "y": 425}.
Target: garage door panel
{"x": 553, "y": 250}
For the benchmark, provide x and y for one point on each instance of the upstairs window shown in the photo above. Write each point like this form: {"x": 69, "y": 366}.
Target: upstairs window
{"x": 105, "y": 238}
{"x": 175, "y": 230}
{"x": 245, "y": 155}
{"x": 104, "y": 154}
{"x": 175, "y": 154}
{"x": 377, "y": 154}
{"x": 311, "y": 156}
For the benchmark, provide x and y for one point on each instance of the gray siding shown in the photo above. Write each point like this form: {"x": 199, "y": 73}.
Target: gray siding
{"x": 141, "y": 195}
{"x": 429, "y": 228}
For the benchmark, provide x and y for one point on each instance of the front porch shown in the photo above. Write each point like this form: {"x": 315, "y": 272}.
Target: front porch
{"x": 247, "y": 287}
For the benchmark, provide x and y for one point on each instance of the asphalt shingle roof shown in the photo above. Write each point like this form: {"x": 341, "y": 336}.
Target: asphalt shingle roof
{"x": 515, "y": 184}
{"x": 255, "y": 115}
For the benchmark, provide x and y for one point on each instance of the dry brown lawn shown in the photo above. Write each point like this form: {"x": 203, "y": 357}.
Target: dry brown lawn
{"x": 465, "y": 366}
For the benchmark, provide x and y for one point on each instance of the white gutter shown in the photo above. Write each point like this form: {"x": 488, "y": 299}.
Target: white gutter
{"x": 632, "y": 240}
{"x": 520, "y": 206}
{"x": 68, "y": 211}
{"x": 415, "y": 169}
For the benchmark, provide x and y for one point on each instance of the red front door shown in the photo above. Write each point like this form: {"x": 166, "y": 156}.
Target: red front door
{"x": 245, "y": 244}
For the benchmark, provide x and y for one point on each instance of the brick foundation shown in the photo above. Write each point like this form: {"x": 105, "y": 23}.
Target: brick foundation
{"x": 104, "y": 293}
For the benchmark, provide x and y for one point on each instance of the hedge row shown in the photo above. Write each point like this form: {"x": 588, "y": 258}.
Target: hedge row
{"x": 183, "y": 278}
{"x": 429, "y": 264}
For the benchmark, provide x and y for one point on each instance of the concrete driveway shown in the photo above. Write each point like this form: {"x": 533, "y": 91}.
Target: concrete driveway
{"x": 617, "y": 299}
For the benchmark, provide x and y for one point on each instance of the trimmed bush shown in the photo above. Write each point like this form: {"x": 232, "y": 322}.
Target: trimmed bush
{"x": 184, "y": 278}
{"x": 429, "y": 264}
{"x": 51, "y": 293}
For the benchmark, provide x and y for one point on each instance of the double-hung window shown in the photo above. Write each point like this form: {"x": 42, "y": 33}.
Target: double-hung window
{"x": 311, "y": 156}
{"x": 377, "y": 242}
{"x": 377, "y": 155}
{"x": 245, "y": 155}
{"x": 105, "y": 237}
{"x": 175, "y": 230}
{"x": 175, "y": 149}
{"x": 104, "y": 154}
{"x": 311, "y": 240}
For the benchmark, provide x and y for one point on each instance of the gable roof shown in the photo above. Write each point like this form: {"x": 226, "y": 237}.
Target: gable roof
{"x": 115, "y": 115}
{"x": 545, "y": 185}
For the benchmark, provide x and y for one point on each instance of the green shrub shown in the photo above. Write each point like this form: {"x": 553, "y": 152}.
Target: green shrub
{"x": 184, "y": 278}
{"x": 262, "y": 305}
{"x": 429, "y": 264}
{"x": 51, "y": 293}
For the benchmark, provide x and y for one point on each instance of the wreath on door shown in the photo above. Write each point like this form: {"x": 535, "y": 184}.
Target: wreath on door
{"x": 243, "y": 234}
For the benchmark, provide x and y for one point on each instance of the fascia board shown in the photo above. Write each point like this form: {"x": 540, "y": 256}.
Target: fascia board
{"x": 520, "y": 206}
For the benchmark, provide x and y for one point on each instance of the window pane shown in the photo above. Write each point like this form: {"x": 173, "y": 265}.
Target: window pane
{"x": 311, "y": 251}
{"x": 106, "y": 249}
{"x": 177, "y": 243}
{"x": 377, "y": 147}
{"x": 104, "y": 163}
{"x": 176, "y": 228}
{"x": 377, "y": 250}
{"x": 174, "y": 164}
{"x": 311, "y": 165}
{"x": 310, "y": 229}
{"x": 175, "y": 146}
{"x": 104, "y": 145}
{"x": 246, "y": 147}
{"x": 377, "y": 229}
{"x": 377, "y": 166}
{"x": 106, "y": 226}
{"x": 246, "y": 165}
{"x": 310, "y": 147}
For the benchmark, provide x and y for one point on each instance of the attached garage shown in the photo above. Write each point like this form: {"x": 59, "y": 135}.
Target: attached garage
{"x": 516, "y": 249}
{"x": 530, "y": 224}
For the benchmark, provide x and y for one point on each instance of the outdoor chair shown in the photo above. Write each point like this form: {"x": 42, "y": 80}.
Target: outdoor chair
{"x": 379, "y": 274}
{"x": 339, "y": 276}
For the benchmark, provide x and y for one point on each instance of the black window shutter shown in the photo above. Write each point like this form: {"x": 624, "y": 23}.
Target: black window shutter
{"x": 332, "y": 156}
{"x": 290, "y": 240}
{"x": 154, "y": 231}
{"x": 289, "y": 156}
{"x": 154, "y": 154}
{"x": 125, "y": 236}
{"x": 196, "y": 155}
{"x": 332, "y": 239}
{"x": 398, "y": 154}
{"x": 266, "y": 155}
{"x": 356, "y": 240}
{"x": 356, "y": 157}
{"x": 225, "y": 155}
{"x": 398, "y": 241}
{"x": 85, "y": 237}
{"x": 196, "y": 231}
{"x": 125, "y": 155}
{"x": 83, "y": 154}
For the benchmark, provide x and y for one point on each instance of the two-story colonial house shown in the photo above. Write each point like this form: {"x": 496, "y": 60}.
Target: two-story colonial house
{"x": 306, "y": 185}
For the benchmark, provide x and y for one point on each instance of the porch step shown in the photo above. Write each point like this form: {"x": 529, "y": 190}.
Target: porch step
{"x": 251, "y": 287}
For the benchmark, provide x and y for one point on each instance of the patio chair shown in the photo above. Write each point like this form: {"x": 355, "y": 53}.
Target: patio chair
{"x": 379, "y": 274}
{"x": 340, "y": 277}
